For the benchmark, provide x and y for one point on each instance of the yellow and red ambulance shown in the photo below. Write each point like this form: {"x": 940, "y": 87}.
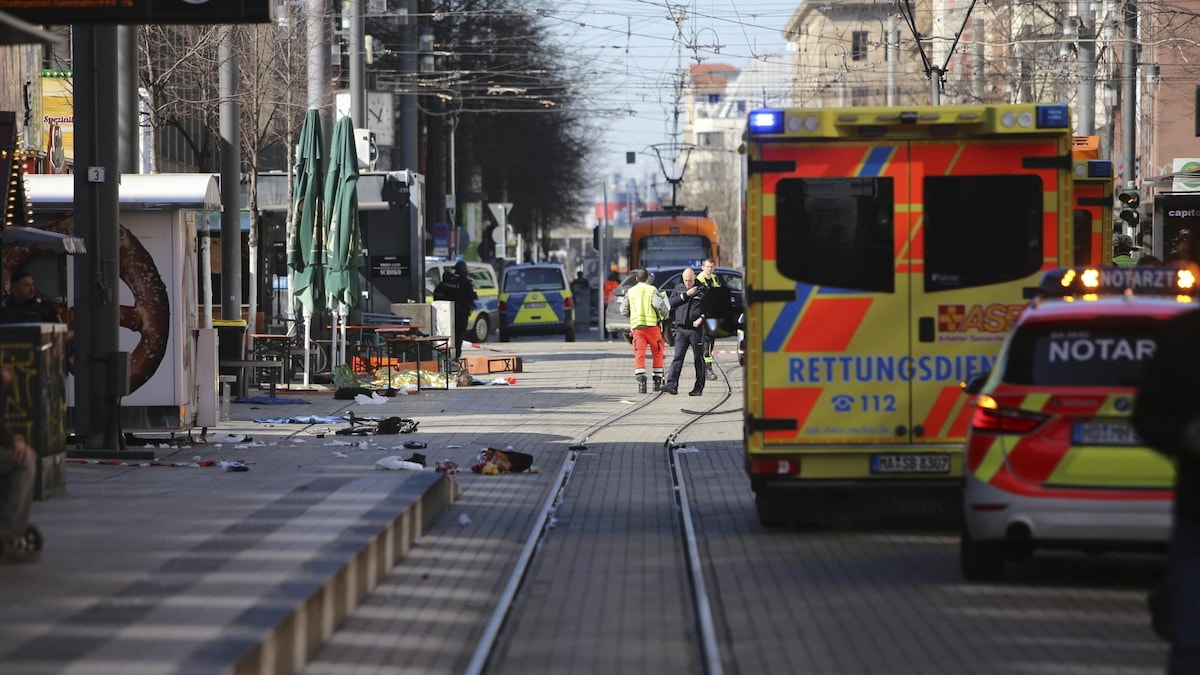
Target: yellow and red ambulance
{"x": 1092, "y": 215}
{"x": 886, "y": 254}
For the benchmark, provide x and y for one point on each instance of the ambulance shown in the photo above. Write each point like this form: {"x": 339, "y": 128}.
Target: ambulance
{"x": 1092, "y": 216}
{"x": 887, "y": 250}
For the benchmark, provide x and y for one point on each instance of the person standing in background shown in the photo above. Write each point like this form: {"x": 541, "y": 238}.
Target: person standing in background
{"x": 645, "y": 308}
{"x": 688, "y": 315}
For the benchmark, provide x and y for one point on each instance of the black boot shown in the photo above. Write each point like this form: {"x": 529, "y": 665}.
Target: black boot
{"x": 641, "y": 384}
{"x": 658, "y": 383}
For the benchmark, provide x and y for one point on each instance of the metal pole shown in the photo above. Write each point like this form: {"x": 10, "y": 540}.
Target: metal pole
{"x": 1085, "y": 91}
{"x": 318, "y": 52}
{"x": 408, "y": 97}
{"x": 1129, "y": 95}
{"x": 231, "y": 178}
{"x": 97, "y": 280}
{"x": 358, "y": 108}
{"x": 128, "y": 117}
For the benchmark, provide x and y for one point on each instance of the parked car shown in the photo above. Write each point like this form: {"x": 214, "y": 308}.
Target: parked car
{"x": 1052, "y": 459}
{"x": 485, "y": 317}
{"x": 666, "y": 279}
{"x": 535, "y": 298}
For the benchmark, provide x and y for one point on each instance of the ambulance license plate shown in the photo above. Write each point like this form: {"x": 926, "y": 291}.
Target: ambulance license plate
{"x": 534, "y": 305}
{"x": 910, "y": 463}
{"x": 1104, "y": 433}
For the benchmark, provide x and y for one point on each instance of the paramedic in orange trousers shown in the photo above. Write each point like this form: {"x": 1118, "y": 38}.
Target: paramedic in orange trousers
{"x": 645, "y": 308}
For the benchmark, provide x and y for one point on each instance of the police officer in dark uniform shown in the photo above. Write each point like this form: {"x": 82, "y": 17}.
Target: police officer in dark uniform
{"x": 687, "y": 313}
{"x": 23, "y": 304}
{"x": 456, "y": 287}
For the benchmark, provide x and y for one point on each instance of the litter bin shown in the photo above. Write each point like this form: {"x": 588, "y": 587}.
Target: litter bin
{"x": 36, "y": 408}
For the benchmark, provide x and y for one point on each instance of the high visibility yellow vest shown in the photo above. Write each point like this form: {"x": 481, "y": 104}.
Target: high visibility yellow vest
{"x": 641, "y": 306}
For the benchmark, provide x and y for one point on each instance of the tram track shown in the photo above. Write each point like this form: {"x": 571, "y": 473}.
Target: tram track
{"x": 708, "y": 644}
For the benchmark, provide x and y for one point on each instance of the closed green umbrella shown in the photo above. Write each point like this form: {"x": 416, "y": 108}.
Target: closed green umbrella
{"x": 343, "y": 237}
{"x": 306, "y": 240}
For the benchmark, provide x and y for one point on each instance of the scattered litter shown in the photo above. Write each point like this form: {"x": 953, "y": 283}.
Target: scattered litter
{"x": 464, "y": 519}
{"x": 686, "y": 449}
{"x": 504, "y": 380}
{"x": 343, "y": 455}
{"x": 447, "y": 467}
{"x": 234, "y": 465}
{"x": 492, "y": 461}
{"x": 229, "y": 438}
{"x": 394, "y": 463}
{"x": 373, "y": 399}
{"x": 417, "y": 458}
{"x": 415, "y": 445}
{"x": 337, "y": 443}
{"x": 300, "y": 419}
{"x": 453, "y": 445}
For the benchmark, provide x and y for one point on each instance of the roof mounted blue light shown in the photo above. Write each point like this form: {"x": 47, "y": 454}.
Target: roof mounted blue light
{"x": 1100, "y": 168}
{"x": 1053, "y": 117}
{"x": 766, "y": 122}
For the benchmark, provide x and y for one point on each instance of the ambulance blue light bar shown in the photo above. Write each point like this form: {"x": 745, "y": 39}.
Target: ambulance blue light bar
{"x": 1053, "y": 117}
{"x": 1100, "y": 168}
{"x": 766, "y": 122}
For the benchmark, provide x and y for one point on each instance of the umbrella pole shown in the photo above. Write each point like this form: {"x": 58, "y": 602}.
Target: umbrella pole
{"x": 342, "y": 344}
{"x": 307, "y": 340}
{"x": 333, "y": 340}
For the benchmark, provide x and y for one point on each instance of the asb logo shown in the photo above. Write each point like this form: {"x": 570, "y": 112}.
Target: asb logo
{"x": 994, "y": 318}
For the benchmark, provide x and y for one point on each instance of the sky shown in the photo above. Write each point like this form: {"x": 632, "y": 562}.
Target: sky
{"x": 628, "y": 54}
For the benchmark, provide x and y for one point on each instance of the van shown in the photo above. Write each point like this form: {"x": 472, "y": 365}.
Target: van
{"x": 485, "y": 317}
{"x": 536, "y": 299}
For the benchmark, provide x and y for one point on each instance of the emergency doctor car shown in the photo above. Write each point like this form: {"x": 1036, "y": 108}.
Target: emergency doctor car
{"x": 1052, "y": 458}
{"x": 886, "y": 254}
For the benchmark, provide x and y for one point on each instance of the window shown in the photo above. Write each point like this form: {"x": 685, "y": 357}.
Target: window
{"x": 981, "y": 230}
{"x": 858, "y": 45}
{"x": 1095, "y": 354}
{"x": 836, "y": 232}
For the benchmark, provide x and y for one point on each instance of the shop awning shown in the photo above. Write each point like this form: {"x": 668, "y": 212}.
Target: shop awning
{"x": 50, "y": 241}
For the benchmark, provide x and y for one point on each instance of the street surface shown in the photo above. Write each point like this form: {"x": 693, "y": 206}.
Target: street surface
{"x": 164, "y": 570}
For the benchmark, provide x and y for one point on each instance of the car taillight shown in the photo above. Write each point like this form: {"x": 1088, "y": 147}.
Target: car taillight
{"x": 503, "y": 305}
{"x": 568, "y": 303}
{"x": 990, "y": 416}
{"x": 775, "y": 466}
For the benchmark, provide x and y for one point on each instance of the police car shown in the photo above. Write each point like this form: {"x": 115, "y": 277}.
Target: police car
{"x": 535, "y": 298}
{"x": 1052, "y": 459}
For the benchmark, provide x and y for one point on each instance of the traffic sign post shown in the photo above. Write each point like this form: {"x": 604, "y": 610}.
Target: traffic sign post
{"x": 500, "y": 211}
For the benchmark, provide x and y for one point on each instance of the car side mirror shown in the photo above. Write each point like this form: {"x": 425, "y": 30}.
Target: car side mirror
{"x": 975, "y": 384}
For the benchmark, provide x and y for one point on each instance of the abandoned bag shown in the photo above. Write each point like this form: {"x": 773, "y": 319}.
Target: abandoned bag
{"x": 396, "y": 425}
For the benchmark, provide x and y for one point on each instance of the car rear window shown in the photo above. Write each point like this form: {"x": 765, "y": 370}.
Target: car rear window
{"x": 1083, "y": 355}
{"x": 534, "y": 279}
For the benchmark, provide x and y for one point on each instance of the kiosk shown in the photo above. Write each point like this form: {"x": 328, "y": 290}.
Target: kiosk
{"x": 172, "y": 357}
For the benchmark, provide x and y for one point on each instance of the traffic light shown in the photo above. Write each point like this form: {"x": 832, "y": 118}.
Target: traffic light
{"x": 1130, "y": 201}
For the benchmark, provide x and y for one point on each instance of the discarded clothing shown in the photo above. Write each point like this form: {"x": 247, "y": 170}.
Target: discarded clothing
{"x": 301, "y": 419}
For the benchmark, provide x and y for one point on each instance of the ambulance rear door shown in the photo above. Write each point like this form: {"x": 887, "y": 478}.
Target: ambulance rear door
{"x": 882, "y": 274}
{"x": 995, "y": 213}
